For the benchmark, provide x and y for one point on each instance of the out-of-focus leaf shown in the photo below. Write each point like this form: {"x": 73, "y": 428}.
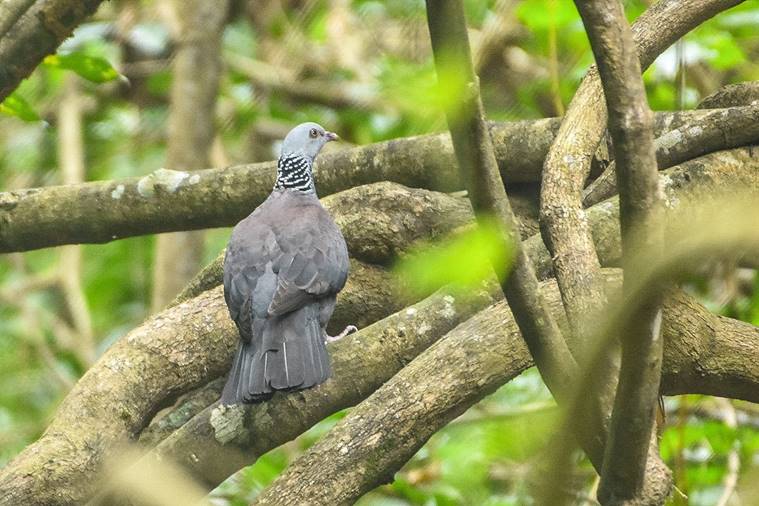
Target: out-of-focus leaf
{"x": 465, "y": 260}
{"x": 16, "y": 105}
{"x": 92, "y": 68}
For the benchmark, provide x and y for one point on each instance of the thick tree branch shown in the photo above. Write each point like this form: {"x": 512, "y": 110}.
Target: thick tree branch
{"x": 720, "y": 129}
{"x": 631, "y": 129}
{"x": 366, "y": 448}
{"x": 168, "y": 355}
{"x": 166, "y": 201}
{"x": 386, "y": 347}
{"x": 435, "y": 214}
{"x": 716, "y": 175}
{"x": 711, "y": 177}
{"x": 35, "y": 34}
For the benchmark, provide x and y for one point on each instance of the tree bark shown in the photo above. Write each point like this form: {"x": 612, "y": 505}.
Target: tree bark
{"x": 720, "y": 129}
{"x": 732, "y": 95}
{"x": 10, "y": 11}
{"x": 568, "y": 163}
{"x": 200, "y": 333}
{"x": 479, "y": 172}
{"x": 630, "y": 451}
{"x": 167, "y": 201}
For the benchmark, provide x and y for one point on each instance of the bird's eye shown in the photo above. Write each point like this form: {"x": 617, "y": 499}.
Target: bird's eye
{"x": 313, "y": 133}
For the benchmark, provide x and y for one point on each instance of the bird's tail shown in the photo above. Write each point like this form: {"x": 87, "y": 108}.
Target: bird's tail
{"x": 290, "y": 355}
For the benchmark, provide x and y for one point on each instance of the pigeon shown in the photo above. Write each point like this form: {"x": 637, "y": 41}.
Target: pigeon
{"x": 284, "y": 266}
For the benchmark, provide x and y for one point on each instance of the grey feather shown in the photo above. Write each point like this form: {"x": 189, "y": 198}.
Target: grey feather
{"x": 284, "y": 265}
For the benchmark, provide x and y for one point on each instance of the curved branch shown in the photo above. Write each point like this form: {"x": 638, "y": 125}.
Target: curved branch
{"x": 567, "y": 165}
{"x": 35, "y": 34}
{"x": 479, "y": 171}
{"x": 719, "y": 129}
{"x": 709, "y": 177}
{"x": 628, "y": 448}
{"x": 385, "y": 348}
{"x": 732, "y": 95}
{"x": 167, "y": 201}
{"x": 366, "y": 448}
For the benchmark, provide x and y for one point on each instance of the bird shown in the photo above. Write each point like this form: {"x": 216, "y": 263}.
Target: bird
{"x": 284, "y": 266}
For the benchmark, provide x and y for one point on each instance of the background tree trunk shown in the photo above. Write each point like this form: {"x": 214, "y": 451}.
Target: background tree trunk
{"x": 197, "y": 26}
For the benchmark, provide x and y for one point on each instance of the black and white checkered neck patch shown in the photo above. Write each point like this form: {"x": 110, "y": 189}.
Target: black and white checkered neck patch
{"x": 294, "y": 172}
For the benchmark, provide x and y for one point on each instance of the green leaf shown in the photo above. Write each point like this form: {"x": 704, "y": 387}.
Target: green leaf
{"x": 92, "y": 68}
{"x": 16, "y": 105}
{"x": 464, "y": 260}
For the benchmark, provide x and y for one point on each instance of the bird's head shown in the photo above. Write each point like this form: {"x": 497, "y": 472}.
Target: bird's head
{"x": 306, "y": 139}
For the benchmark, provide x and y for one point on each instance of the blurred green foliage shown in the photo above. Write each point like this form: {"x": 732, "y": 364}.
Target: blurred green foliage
{"x": 381, "y": 48}
{"x": 464, "y": 259}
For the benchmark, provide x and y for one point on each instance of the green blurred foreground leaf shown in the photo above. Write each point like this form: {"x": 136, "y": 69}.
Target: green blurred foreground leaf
{"x": 465, "y": 259}
{"x": 16, "y": 105}
{"x": 92, "y": 68}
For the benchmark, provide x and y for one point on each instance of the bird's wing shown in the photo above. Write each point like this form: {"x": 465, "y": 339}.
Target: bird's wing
{"x": 249, "y": 280}
{"x": 314, "y": 263}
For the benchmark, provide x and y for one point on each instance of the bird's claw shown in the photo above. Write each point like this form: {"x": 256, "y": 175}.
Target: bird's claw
{"x": 348, "y": 330}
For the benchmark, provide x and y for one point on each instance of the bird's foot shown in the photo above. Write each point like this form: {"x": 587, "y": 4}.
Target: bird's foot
{"x": 350, "y": 329}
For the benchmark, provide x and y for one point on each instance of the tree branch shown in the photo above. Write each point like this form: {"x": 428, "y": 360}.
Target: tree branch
{"x": 386, "y": 347}
{"x": 435, "y": 214}
{"x": 732, "y": 95}
{"x": 631, "y": 129}
{"x": 365, "y": 448}
{"x": 720, "y": 129}
{"x": 167, "y": 201}
{"x": 10, "y": 11}
{"x": 35, "y": 34}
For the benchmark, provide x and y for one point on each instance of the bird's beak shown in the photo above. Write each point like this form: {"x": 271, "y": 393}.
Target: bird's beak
{"x": 331, "y": 136}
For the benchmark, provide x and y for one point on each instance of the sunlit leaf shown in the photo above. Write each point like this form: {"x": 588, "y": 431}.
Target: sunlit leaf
{"x": 464, "y": 259}
{"x": 92, "y": 68}
{"x": 16, "y": 105}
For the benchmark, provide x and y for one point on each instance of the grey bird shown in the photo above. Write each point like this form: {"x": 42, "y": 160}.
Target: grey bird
{"x": 285, "y": 264}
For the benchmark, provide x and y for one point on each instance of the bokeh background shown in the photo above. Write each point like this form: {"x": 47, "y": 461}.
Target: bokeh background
{"x": 362, "y": 68}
